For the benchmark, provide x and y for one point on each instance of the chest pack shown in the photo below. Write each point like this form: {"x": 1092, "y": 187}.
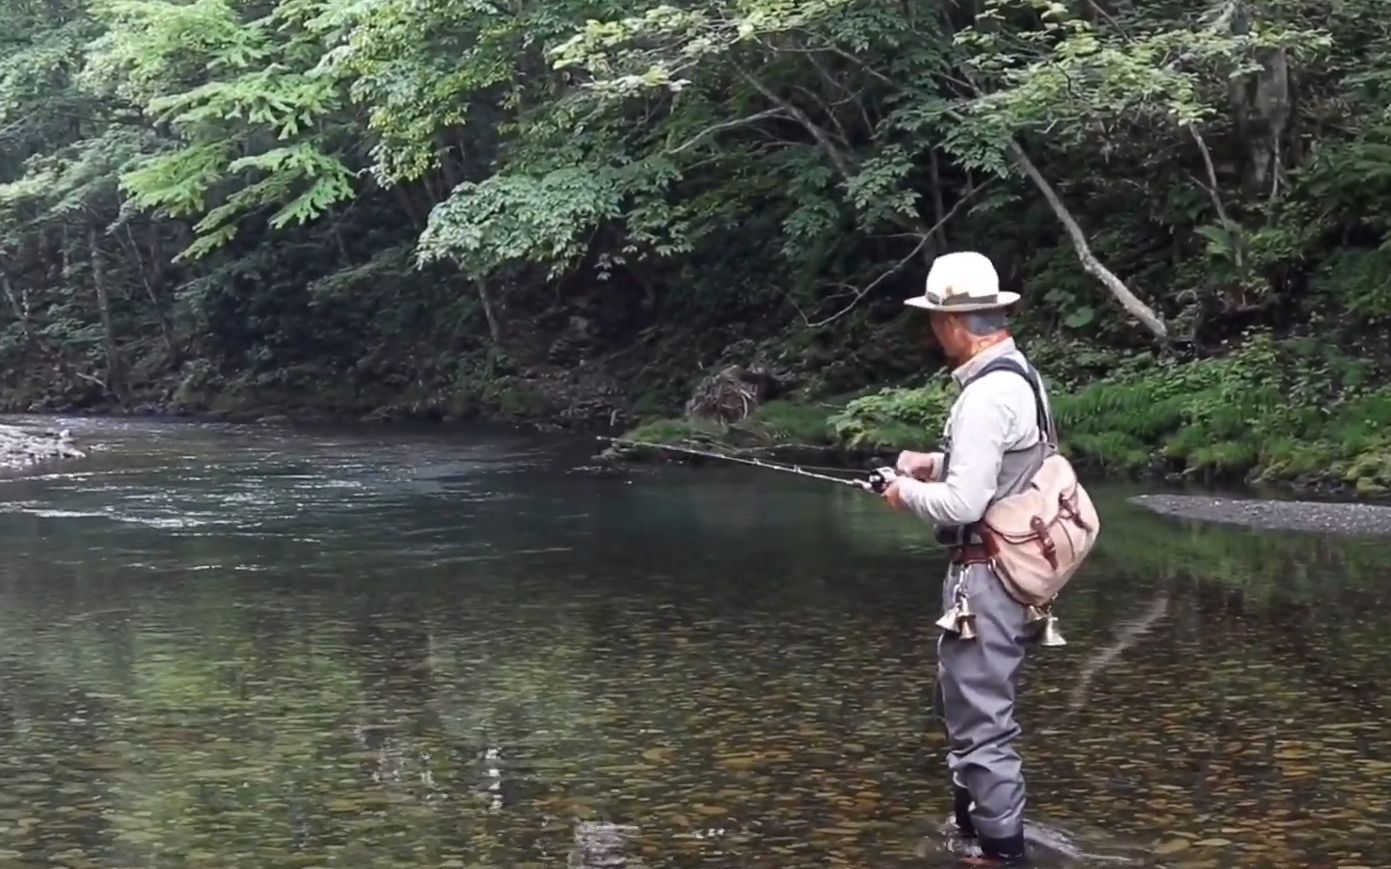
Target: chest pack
{"x": 1039, "y": 533}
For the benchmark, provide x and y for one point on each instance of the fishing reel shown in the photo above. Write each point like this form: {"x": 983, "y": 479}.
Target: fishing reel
{"x": 879, "y": 479}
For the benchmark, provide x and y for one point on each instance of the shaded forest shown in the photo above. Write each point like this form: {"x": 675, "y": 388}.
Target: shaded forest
{"x": 577, "y": 212}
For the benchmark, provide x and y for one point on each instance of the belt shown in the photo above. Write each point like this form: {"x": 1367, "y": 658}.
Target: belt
{"x": 970, "y": 553}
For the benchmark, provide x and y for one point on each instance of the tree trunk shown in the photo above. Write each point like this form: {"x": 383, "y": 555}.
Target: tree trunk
{"x": 408, "y": 206}
{"x": 108, "y": 328}
{"x": 452, "y": 164}
{"x": 1136, "y": 308}
{"x": 66, "y": 253}
{"x": 153, "y": 282}
{"x": 21, "y": 312}
{"x": 489, "y": 311}
{"x": 156, "y": 287}
{"x": 1263, "y": 106}
{"x": 939, "y": 210}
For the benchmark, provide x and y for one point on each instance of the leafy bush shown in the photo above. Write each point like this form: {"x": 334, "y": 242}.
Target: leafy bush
{"x": 893, "y": 418}
{"x": 1271, "y": 410}
{"x": 1358, "y": 280}
{"x": 672, "y": 431}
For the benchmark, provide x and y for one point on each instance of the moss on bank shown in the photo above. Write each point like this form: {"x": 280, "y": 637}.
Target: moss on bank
{"x": 1289, "y": 411}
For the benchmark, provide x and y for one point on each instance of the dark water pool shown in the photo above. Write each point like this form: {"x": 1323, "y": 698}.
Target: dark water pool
{"x": 237, "y": 646}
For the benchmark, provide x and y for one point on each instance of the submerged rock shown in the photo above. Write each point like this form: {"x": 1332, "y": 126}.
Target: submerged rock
{"x": 22, "y": 446}
{"x": 601, "y": 844}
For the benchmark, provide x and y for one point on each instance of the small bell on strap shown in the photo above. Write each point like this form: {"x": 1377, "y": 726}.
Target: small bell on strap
{"x": 1051, "y": 635}
{"x": 965, "y": 620}
{"x": 1036, "y": 614}
{"x": 949, "y": 618}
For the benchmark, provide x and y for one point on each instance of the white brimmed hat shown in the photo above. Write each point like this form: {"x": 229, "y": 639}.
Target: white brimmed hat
{"x": 960, "y": 282}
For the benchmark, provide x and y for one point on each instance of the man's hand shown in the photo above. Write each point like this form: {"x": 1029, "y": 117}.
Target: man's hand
{"x": 919, "y": 466}
{"x": 894, "y": 497}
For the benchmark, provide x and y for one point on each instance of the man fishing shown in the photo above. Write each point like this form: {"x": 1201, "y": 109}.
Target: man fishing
{"x": 994, "y": 442}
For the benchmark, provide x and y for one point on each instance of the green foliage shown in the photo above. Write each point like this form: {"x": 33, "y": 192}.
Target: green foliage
{"x": 1272, "y": 410}
{"x": 248, "y": 101}
{"x": 512, "y": 220}
{"x": 898, "y": 418}
{"x": 304, "y": 197}
{"x": 1358, "y": 281}
{"x": 777, "y": 423}
{"x": 673, "y": 431}
{"x": 788, "y": 421}
{"x": 1233, "y": 416}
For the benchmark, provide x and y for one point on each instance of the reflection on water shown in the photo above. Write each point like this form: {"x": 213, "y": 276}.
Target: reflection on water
{"x": 227, "y": 646}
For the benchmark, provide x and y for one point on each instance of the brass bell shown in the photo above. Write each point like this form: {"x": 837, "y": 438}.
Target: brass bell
{"x": 965, "y": 620}
{"x": 948, "y": 620}
{"x": 1051, "y": 636}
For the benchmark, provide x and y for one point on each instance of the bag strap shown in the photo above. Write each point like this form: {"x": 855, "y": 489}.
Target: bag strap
{"x": 1046, "y": 431}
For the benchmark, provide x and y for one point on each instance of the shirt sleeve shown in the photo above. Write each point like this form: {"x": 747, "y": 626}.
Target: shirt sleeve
{"x": 979, "y": 436}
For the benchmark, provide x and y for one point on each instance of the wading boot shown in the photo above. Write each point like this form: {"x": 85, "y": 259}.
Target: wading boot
{"x": 961, "y": 810}
{"x": 1003, "y": 852}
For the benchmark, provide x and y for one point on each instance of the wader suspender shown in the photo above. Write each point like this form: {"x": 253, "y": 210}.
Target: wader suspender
{"x": 1045, "y": 422}
{"x": 956, "y": 535}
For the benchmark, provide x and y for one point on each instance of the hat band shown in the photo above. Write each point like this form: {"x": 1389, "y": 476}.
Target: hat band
{"x": 962, "y": 299}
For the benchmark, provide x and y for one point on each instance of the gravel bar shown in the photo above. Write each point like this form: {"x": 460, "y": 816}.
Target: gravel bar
{"x": 1365, "y": 520}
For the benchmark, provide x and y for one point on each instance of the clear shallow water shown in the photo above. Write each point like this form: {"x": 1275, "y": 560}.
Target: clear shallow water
{"x": 240, "y": 646}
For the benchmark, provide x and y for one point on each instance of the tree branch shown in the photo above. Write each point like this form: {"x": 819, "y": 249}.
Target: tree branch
{"x": 843, "y": 163}
{"x": 810, "y": 49}
{"x": 1136, "y": 308}
{"x": 924, "y": 238}
{"x": 828, "y": 109}
{"x": 864, "y": 66}
{"x": 1224, "y": 18}
{"x": 728, "y": 125}
{"x": 1211, "y": 173}
{"x": 850, "y": 96}
{"x": 1109, "y": 18}
{"x": 825, "y": 74}
{"x": 837, "y": 157}
{"x": 1211, "y": 188}
{"x": 869, "y": 288}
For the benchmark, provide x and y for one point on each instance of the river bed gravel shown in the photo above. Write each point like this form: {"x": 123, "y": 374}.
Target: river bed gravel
{"x": 1345, "y": 518}
{"x": 257, "y": 645}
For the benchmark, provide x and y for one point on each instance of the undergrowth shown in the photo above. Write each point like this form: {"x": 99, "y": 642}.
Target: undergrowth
{"x": 775, "y": 423}
{"x": 1294, "y": 411}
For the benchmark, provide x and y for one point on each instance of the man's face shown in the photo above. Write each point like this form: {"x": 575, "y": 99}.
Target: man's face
{"x": 942, "y": 333}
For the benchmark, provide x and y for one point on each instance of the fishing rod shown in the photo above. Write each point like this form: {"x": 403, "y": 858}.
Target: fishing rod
{"x": 877, "y": 481}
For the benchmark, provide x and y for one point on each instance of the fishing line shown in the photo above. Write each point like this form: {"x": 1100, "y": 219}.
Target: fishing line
{"x": 877, "y": 480}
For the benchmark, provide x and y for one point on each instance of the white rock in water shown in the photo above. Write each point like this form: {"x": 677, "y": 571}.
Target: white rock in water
{"x": 20, "y": 446}
{"x": 599, "y": 844}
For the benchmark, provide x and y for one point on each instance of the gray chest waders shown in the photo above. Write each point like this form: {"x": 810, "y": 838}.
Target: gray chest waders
{"x": 982, "y": 646}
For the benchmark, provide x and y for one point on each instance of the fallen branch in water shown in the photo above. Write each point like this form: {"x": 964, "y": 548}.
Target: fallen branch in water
{"x": 1127, "y": 638}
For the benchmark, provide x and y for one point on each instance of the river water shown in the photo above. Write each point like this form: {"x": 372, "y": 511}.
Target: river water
{"x": 246, "y": 646}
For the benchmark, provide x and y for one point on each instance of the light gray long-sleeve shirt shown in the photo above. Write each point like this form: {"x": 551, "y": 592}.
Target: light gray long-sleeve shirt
{"x": 993, "y": 415}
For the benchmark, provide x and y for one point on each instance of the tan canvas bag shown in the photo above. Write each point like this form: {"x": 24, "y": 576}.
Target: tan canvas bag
{"x": 1038, "y": 538}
